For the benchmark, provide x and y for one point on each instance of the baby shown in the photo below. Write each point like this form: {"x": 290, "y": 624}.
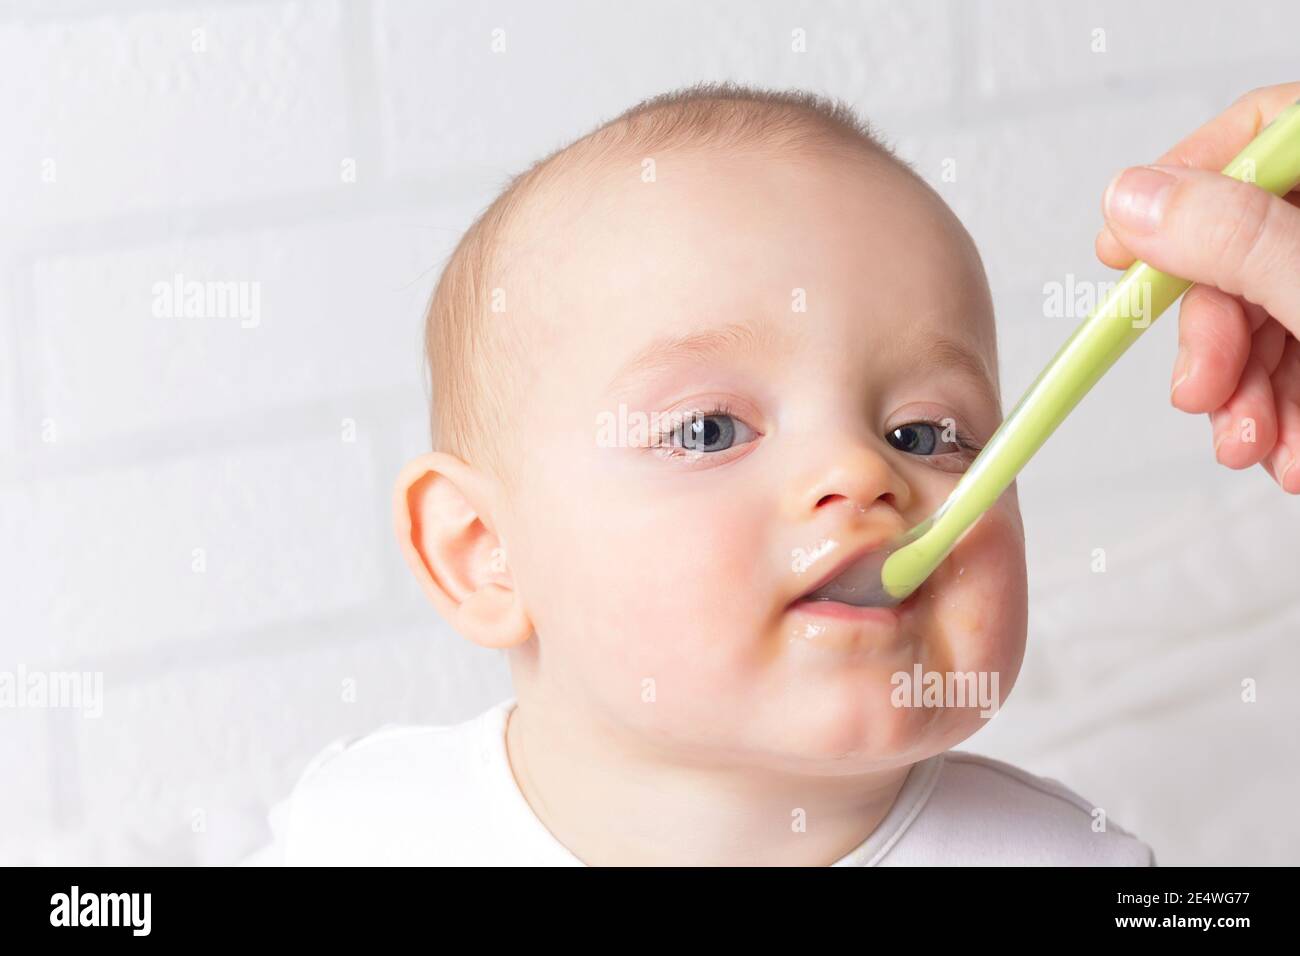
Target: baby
{"x": 687, "y": 372}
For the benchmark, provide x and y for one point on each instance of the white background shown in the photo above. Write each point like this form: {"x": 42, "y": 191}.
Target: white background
{"x": 129, "y": 157}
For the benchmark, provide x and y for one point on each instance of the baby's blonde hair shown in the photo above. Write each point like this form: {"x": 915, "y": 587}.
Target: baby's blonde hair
{"x": 473, "y": 354}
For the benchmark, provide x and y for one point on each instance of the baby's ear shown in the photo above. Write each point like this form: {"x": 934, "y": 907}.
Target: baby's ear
{"x": 441, "y": 509}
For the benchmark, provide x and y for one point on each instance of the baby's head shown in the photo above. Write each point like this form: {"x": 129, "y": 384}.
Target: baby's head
{"x": 684, "y": 370}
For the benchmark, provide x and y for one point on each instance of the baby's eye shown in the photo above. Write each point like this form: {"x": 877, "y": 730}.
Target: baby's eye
{"x": 922, "y": 438}
{"x": 706, "y": 434}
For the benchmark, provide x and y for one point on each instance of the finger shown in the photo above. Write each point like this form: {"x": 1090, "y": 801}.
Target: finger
{"x": 1218, "y": 141}
{"x": 1286, "y": 392}
{"x": 1214, "y": 342}
{"x": 1212, "y": 147}
{"x": 1212, "y": 229}
{"x": 1112, "y": 253}
{"x": 1269, "y": 341}
{"x": 1256, "y": 315}
{"x": 1245, "y": 428}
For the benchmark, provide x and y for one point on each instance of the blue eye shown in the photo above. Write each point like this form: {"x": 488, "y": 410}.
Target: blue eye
{"x": 922, "y": 438}
{"x": 917, "y": 438}
{"x": 709, "y": 433}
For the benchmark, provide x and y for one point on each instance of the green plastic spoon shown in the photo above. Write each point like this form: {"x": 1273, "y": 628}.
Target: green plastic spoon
{"x": 1272, "y": 161}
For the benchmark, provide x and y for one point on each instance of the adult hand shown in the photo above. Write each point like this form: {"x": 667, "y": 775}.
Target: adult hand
{"x": 1238, "y": 326}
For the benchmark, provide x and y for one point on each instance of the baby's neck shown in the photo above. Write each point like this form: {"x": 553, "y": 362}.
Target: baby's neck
{"x": 613, "y": 802}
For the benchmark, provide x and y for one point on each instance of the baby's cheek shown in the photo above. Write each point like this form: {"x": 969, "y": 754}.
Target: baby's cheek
{"x": 980, "y": 596}
{"x": 674, "y": 596}
{"x": 707, "y": 597}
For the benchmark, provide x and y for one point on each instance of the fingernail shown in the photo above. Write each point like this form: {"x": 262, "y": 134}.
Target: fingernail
{"x": 1221, "y": 422}
{"x": 1281, "y": 478}
{"x": 1182, "y": 368}
{"x": 1136, "y": 198}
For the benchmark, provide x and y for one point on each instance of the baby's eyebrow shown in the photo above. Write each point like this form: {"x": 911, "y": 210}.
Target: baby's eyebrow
{"x": 942, "y": 353}
{"x": 670, "y": 350}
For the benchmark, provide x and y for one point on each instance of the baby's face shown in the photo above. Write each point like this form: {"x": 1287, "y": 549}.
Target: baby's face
{"x": 809, "y": 311}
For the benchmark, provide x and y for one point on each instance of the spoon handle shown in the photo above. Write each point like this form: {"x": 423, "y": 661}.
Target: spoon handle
{"x": 1272, "y": 161}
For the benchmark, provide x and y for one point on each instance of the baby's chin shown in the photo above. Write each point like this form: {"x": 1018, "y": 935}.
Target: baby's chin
{"x": 932, "y": 691}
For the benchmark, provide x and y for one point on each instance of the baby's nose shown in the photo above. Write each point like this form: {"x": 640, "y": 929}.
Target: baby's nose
{"x": 852, "y": 474}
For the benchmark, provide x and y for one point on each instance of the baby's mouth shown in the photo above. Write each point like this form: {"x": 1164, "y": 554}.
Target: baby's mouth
{"x": 857, "y": 585}
{"x": 855, "y": 582}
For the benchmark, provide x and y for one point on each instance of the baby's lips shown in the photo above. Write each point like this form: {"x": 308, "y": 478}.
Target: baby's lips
{"x": 854, "y": 578}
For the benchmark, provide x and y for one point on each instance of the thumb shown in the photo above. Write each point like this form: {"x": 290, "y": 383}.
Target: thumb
{"x": 1209, "y": 228}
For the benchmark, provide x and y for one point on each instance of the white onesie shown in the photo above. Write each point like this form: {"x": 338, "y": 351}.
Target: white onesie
{"x": 412, "y": 795}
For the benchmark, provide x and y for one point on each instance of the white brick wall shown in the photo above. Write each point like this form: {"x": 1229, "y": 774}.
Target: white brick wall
{"x": 135, "y": 119}
{"x": 214, "y": 141}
